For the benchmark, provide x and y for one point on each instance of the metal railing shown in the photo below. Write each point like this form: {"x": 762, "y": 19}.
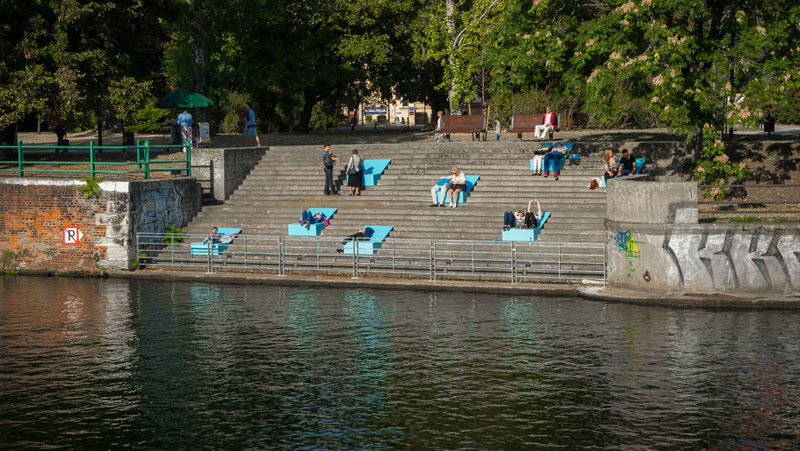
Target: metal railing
{"x": 143, "y": 162}
{"x": 415, "y": 258}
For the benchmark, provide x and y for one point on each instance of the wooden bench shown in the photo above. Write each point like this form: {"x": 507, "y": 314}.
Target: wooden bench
{"x": 473, "y": 125}
{"x": 526, "y": 123}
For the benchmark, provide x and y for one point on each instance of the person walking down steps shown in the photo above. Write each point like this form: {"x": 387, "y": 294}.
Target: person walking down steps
{"x": 328, "y": 161}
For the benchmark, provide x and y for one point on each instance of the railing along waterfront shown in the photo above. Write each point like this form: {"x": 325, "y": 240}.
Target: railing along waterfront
{"x": 143, "y": 162}
{"x": 398, "y": 257}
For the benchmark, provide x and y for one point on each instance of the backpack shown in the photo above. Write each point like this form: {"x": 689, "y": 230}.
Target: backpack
{"x": 327, "y": 161}
{"x": 530, "y": 220}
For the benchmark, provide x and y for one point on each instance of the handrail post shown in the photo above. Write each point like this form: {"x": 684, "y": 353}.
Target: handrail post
{"x": 188, "y": 148}
{"x": 139, "y": 153}
{"x": 513, "y": 262}
{"x": 210, "y": 246}
{"x": 281, "y": 256}
{"x": 91, "y": 159}
{"x": 19, "y": 160}
{"x": 147, "y": 160}
{"x": 604, "y": 264}
{"x": 355, "y": 258}
{"x": 433, "y": 260}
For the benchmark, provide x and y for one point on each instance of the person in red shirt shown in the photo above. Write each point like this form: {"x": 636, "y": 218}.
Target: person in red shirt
{"x": 549, "y": 122}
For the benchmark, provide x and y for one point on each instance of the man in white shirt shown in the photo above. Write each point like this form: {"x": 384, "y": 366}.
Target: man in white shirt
{"x": 541, "y": 131}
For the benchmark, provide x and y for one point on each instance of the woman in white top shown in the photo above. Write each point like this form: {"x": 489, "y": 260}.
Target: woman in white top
{"x": 355, "y": 172}
{"x": 458, "y": 183}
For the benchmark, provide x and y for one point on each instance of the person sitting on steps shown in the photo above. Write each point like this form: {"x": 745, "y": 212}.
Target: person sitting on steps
{"x": 366, "y": 232}
{"x": 442, "y": 189}
{"x": 458, "y": 183}
{"x": 523, "y": 219}
{"x": 538, "y": 156}
{"x": 610, "y": 165}
{"x": 627, "y": 164}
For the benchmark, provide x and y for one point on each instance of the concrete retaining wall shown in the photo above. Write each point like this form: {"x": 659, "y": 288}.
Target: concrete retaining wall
{"x": 655, "y": 243}
{"x": 231, "y": 166}
{"x": 34, "y": 213}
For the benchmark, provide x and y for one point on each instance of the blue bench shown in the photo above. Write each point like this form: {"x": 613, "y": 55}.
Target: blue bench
{"x": 201, "y": 248}
{"x": 471, "y": 181}
{"x": 373, "y": 169}
{"x": 639, "y": 165}
{"x": 569, "y": 147}
{"x": 371, "y": 245}
{"x": 525, "y": 234}
{"x": 297, "y": 229}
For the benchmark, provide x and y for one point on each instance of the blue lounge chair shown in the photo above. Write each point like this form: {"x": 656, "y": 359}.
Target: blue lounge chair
{"x": 563, "y": 161}
{"x": 201, "y": 248}
{"x": 639, "y": 165}
{"x": 462, "y": 196}
{"x": 371, "y": 245}
{"x": 525, "y": 234}
{"x": 373, "y": 169}
{"x": 297, "y": 229}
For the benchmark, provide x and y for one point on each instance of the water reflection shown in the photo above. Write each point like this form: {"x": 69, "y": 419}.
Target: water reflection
{"x": 104, "y": 364}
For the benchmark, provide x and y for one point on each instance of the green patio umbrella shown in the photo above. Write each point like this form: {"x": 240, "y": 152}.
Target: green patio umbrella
{"x": 184, "y": 99}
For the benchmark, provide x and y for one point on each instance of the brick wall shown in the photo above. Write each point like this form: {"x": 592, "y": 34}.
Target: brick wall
{"x": 33, "y": 213}
{"x": 32, "y": 216}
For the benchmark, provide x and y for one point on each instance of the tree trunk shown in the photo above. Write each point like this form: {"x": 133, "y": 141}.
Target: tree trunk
{"x": 451, "y": 26}
{"x": 305, "y": 116}
{"x": 100, "y": 132}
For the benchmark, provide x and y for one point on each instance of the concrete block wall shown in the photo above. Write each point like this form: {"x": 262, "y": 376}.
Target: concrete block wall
{"x": 655, "y": 243}
{"x": 705, "y": 258}
{"x": 231, "y": 166}
{"x": 33, "y": 213}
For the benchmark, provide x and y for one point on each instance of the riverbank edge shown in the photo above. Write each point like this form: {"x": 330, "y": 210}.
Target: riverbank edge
{"x": 596, "y": 293}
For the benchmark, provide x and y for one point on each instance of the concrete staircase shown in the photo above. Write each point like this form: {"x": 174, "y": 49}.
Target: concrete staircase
{"x": 289, "y": 179}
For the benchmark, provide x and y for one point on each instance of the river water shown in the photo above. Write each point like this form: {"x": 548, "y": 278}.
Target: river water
{"x": 90, "y": 363}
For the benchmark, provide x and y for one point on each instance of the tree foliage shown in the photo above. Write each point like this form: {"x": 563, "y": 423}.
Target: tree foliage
{"x": 604, "y": 63}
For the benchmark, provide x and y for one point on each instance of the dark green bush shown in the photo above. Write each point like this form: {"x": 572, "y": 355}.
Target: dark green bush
{"x": 149, "y": 120}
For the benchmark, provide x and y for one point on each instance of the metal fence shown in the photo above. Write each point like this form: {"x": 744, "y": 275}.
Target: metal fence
{"x": 143, "y": 162}
{"x": 415, "y": 258}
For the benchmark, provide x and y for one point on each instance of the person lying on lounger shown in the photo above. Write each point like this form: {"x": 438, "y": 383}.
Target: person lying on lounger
{"x": 366, "y": 232}
{"x": 217, "y": 237}
{"x": 523, "y": 219}
{"x": 306, "y": 218}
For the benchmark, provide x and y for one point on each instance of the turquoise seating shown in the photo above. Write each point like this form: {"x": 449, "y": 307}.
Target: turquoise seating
{"x": 371, "y": 245}
{"x": 462, "y": 196}
{"x": 201, "y": 248}
{"x": 525, "y": 234}
{"x": 569, "y": 147}
{"x": 373, "y": 169}
{"x": 297, "y": 229}
{"x": 639, "y": 165}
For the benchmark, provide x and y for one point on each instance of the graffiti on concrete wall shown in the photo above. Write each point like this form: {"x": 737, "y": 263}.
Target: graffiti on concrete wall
{"x": 735, "y": 259}
{"x": 626, "y": 243}
{"x": 153, "y": 210}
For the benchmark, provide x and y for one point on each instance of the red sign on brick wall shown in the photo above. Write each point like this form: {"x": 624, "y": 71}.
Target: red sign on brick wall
{"x": 72, "y": 235}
